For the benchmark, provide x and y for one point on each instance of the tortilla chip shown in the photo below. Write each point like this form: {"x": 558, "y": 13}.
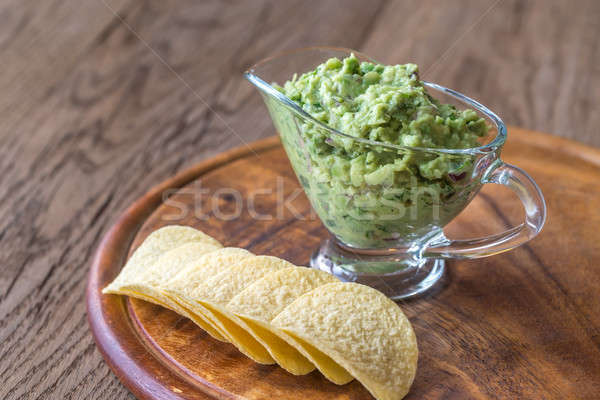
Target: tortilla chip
{"x": 196, "y": 272}
{"x": 157, "y": 243}
{"x": 361, "y": 330}
{"x": 209, "y": 300}
{"x": 152, "y": 276}
{"x": 264, "y": 299}
{"x": 268, "y": 296}
{"x": 221, "y": 288}
{"x": 144, "y": 281}
{"x": 202, "y": 269}
{"x": 325, "y": 364}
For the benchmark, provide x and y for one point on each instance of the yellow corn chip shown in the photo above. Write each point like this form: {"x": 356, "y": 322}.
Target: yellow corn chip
{"x": 221, "y": 288}
{"x": 157, "y": 243}
{"x": 264, "y": 299}
{"x": 145, "y": 271}
{"x": 196, "y": 272}
{"x": 268, "y": 296}
{"x": 325, "y": 364}
{"x": 147, "y": 280}
{"x": 209, "y": 299}
{"x": 361, "y": 330}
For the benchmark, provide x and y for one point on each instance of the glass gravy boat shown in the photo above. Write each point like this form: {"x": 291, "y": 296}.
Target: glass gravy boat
{"x": 386, "y": 225}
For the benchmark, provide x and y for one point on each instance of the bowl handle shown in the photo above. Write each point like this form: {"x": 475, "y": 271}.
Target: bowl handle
{"x": 535, "y": 216}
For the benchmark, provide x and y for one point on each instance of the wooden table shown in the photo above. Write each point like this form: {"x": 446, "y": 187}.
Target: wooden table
{"x": 102, "y": 100}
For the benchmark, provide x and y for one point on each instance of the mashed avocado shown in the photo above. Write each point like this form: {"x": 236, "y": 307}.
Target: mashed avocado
{"x": 368, "y": 194}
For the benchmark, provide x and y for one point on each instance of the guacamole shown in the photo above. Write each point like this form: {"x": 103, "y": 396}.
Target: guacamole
{"x": 367, "y": 194}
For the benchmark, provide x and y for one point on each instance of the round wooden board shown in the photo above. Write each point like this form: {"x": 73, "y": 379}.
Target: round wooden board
{"x": 523, "y": 324}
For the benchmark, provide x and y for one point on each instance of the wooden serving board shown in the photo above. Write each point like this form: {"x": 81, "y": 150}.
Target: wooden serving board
{"x": 524, "y": 324}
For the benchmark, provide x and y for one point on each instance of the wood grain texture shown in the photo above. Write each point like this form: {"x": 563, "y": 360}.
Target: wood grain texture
{"x": 509, "y": 326}
{"x": 91, "y": 118}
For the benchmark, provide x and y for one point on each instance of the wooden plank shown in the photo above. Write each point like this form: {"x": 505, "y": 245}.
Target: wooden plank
{"x": 90, "y": 118}
{"x": 535, "y": 63}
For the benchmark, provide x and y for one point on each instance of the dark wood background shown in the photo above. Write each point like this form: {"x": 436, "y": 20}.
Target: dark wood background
{"x": 100, "y": 100}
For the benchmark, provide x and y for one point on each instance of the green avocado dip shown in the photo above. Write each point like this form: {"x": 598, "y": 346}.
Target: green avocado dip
{"x": 369, "y": 195}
